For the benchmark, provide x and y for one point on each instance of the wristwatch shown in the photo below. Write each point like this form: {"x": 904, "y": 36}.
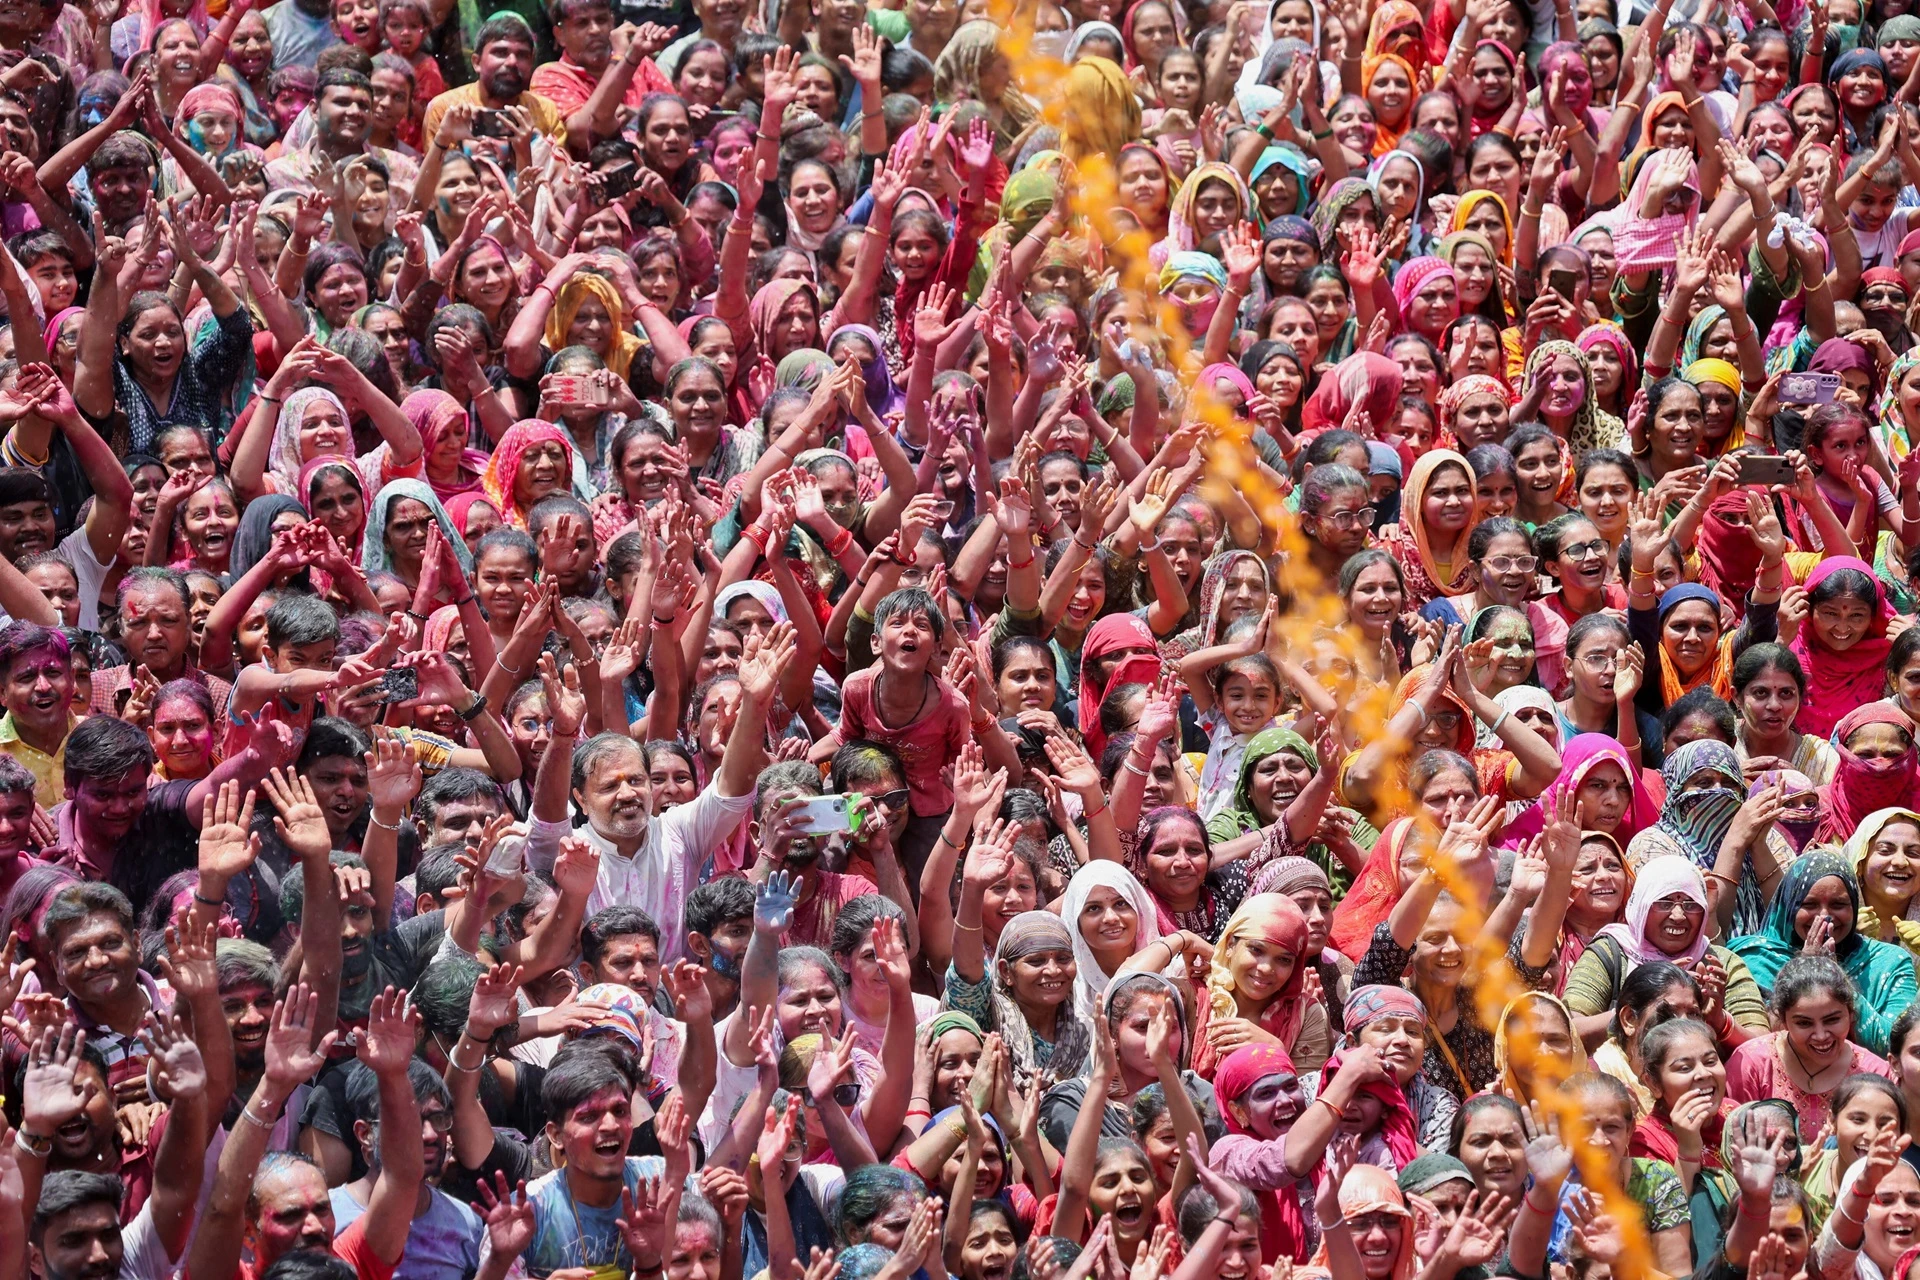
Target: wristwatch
{"x": 474, "y": 712}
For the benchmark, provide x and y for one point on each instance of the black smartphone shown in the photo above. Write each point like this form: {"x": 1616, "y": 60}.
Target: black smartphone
{"x": 490, "y": 124}
{"x": 1765, "y": 468}
{"x": 1563, "y": 281}
{"x": 619, "y": 180}
{"x": 399, "y": 684}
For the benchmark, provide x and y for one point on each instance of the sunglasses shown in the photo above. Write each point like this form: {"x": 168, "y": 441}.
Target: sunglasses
{"x": 894, "y": 800}
{"x": 846, "y": 1095}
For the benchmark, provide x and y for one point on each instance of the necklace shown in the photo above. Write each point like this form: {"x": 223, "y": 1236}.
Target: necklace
{"x": 926, "y": 691}
{"x": 1813, "y": 1077}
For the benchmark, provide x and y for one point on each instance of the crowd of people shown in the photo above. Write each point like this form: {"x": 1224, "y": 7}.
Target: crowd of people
{"x": 649, "y": 640}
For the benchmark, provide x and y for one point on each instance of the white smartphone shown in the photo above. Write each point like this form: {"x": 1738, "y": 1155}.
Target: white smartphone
{"x": 824, "y": 815}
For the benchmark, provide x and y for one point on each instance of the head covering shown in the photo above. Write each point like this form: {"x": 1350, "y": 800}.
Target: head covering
{"x": 1298, "y": 169}
{"x": 1579, "y": 756}
{"x": 1273, "y": 918}
{"x": 883, "y": 395}
{"x": 1110, "y": 635}
{"x": 1779, "y": 938}
{"x": 460, "y": 507}
{"x": 1184, "y": 264}
{"x": 1240, "y": 817}
{"x": 956, "y": 72}
{"x": 1213, "y": 587}
{"x": 1378, "y": 167}
{"x": 1369, "y": 1189}
{"x": 1030, "y": 933}
{"x": 622, "y": 346}
{"x": 1282, "y": 1226}
{"x": 1399, "y": 1130}
{"x": 1717, "y": 673}
{"x": 210, "y": 97}
{"x": 1473, "y": 200}
{"x": 765, "y": 309}
{"x": 1549, "y": 1074}
{"x": 803, "y": 367}
{"x": 1729, "y": 557}
{"x": 1335, "y": 201}
{"x": 1101, "y": 113}
{"x": 752, "y": 589}
{"x": 1210, "y": 375}
{"x": 1413, "y": 519}
{"x": 1853, "y": 60}
{"x": 1840, "y": 679}
{"x": 434, "y": 414}
{"x": 503, "y": 468}
{"x": 1180, "y": 211}
{"x": 1586, "y": 424}
{"x": 1658, "y": 878}
{"x": 1100, "y": 874}
{"x": 1364, "y": 378}
{"x": 1089, "y": 31}
{"x": 1697, "y": 821}
{"x": 374, "y": 554}
{"x": 1837, "y": 355}
{"x": 1610, "y": 334}
{"x": 283, "y": 455}
{"x": 254, "y": 538}
{"x": 1414, "y": 274}
{"x": 1387, "y": 135}
{"x": 953, "y": 1020}
{"x": 1379, "y": 1000}
{"x": 1435, "y": 1169}
{"x": 1860, "y": 788}
{"x": 1456, "y": 395}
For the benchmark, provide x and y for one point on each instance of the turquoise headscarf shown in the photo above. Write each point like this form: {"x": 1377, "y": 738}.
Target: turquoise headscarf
{"x": 373, "y": 549}
{"x": 1190, "y": 262}
{"x": 1697, "y": 333}
{"x": 1883, "y": 974}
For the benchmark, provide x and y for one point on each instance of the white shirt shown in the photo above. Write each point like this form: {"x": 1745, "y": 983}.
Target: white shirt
{"x": 662, "y": 872}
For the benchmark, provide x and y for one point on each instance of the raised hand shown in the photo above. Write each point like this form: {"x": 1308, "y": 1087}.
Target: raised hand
{"x": 292, "y": 1056}
{"x": 393, "y": 775}
{"x": 174, "y": 1065}
{"x": 227, "y": 845}
{"x": 492, "y": 1005}
{"x": 387, "y": 1044}
{"x": 51, "y": 1092}
{"x": 508, "y": 1214}
{"x": 300, "y": 823}
{"x": 188, "y": 962}
{"x": 774, "y": 902}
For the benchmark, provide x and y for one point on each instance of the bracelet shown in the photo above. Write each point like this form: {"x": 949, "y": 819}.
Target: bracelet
{"x": 967, "y": 928}
{"x": 1091, "y": 814}
{"x": 943, "y": 838}
{"x": 473, "y": 712}
{"x": 41, "y": 1148}
{"x": 1547, "y": 1212}
{"x": 417, "y": 617}
{"x": 1131, "y": 767}
{"x": 515, "y": 672}
{"x": 453, "y": 1060}
{"x": 761, "y": 137}
{"x": 1088, "y": 547}
{"x": 1144, "y": 548}
{"x": 208, "y": 902}
{"x": 1022, "y": 565}
{"x": 375, "y": 822}
{"x": 1495, "y": 726}
{"x": 1318, "y": 136}
{"x": 466, "y": 599}
{"x": 1263, "y": 131}
{"x": 1227, "y": 1219}
{"x": 837, "y": 546}
{"x": 246, "y": 1113}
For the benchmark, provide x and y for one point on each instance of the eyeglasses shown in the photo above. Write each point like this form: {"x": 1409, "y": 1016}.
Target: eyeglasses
{"x": 1358, "y": 517}
{"x": 1584, "y": 550}
{"x": 442, "y": 1121}
{"x": 1605, "y": 660}
{"x": 1686, "y": 906}
{"x": 1512, "y": 564}
{"x": 1366, "y": 1222}
{"x": 895, "y": 800}
{"x": 846, "y": 1094}
{"x": 1445, "y": 720}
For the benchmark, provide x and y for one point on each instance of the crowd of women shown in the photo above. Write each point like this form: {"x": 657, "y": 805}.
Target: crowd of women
{"x": 1221, "y": 507}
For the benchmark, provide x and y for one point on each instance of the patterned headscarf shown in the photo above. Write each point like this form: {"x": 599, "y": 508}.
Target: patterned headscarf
{"x": 1465, "y": 389}
{"x": 1473, "y": 200}
{"x": 1697, "y": 821}
{"x": 1378, "y": 1000}
{"x": 1283, "y": 1230}
{"x": 503, "y": 468}
{"x": 1592, "y": 427}
{"x": 1334, "y": 202}
{"x": 1273, "y": 918}
{"x": 283, "y": 456}
{"x": 1180, "y": 230}
{"x": 1412, "y": 275}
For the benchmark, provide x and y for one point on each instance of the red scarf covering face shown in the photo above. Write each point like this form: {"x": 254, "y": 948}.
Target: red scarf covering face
{"x": 1112, "y": 634}
{"x": 1840, "y": 680}
{"x": 1860, "y": 787}
{"x": 1398, "y": 1126}
{"x": 1283, "y": 1230}
{"x": 1370, "y": 900}
{"x": 1729, "y": 557}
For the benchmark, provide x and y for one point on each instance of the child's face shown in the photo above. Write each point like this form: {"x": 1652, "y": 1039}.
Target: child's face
{"x": 287, "y": 104}
{"x": 53, "y": 274}
{"x": 405, "y": 32}
{"x": 1874, "y": 205}
{"x": 303, "y": 657}
{"x": 1845, "y": 441}
{"x": 1248, "y": 702}
{"x": 907, "y": 643}
{"x": 358, "y": 22}
{"x": 16, "y": 821}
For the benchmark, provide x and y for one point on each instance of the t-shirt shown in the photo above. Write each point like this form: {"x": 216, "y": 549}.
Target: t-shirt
{"x": 925, "y": 746}
{"x": 142, "y": 1256}
{"x": 567, "y": 1233}
{"x": 163, "y": 840}
{"x": 443, "y": 1244}
{"x": 350, "y": 1246}
{"x": 298, "y": 37}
